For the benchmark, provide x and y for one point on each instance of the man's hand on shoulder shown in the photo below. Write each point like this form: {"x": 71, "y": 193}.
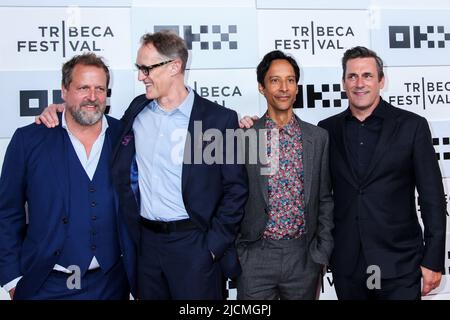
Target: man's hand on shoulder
{"x": 247, "y": 122}
{"x": 49, "y": 116}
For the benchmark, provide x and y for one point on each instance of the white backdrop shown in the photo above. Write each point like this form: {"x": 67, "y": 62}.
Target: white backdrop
{"x": 227, "y": 39}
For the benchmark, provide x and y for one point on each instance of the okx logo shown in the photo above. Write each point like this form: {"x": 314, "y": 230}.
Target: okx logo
{"x": 320, "y": 96}
{"x": 407, "y": 37}
{"x": 66, "y": 39}
{"x": 440, "y": 143}
{"x": 33, "y": 102}
{"x": 206, "y": 37}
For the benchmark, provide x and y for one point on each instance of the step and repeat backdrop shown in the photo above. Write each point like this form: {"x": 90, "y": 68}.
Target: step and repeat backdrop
{"x": 226, "y": 40}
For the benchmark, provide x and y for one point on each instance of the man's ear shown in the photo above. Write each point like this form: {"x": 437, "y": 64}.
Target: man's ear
{"x": 63, "y": 92}
{"x": 382, "y": 83}
{"x": 175, "y": 67}
{"x": 261, "y": 88}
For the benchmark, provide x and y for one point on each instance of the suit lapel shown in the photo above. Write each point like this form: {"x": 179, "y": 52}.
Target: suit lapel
{"x": 341, "y": 147}
{"x": 57, "y": 146}
{"x": 193, "y": 142}
{"x": 387, "y": 131}
{"x": 308, "y": 157}
{"x": 263, "y": 180}
{"x": 136, "y": 111}
{"x": 112, "y": 134}
{"x": 128, "y": 120}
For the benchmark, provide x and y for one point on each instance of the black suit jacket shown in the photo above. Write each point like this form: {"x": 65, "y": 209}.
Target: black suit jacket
{"x": 214, "y": 195}
{"x": 378, "y": 213}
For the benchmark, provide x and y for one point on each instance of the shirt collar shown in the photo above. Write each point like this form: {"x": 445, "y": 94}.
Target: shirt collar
{"x": 379, "y": 111}
{"x": 64, "y": 123}
{"x": 289, "y": 128}
{"x": 184, "y": 108}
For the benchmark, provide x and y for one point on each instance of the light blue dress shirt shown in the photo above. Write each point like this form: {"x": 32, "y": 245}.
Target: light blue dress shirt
{"x": 160, "y": 139}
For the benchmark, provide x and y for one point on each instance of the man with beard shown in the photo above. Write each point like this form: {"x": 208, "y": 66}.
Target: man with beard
{"x": 61, "y": 236}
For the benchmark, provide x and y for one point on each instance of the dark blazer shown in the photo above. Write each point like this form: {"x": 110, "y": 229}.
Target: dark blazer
{"x": 214, "y": 195}
{"x": 318, "y": 199}
{"x": 35, "y": 175}
{"x": 378, "y": 211}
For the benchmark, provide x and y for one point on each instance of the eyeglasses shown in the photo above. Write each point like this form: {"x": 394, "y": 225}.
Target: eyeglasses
{"x": 146, "y": 69}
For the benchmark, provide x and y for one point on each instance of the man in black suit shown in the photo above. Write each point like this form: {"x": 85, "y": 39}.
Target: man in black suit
{"x": 379, "y": 155}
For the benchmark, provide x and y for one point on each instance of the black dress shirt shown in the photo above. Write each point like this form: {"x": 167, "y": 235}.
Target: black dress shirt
{"x": 362, "y": 138}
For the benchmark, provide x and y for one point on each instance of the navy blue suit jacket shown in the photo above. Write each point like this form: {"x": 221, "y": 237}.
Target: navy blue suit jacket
{"x": 35, "y": 174}
{"x": 214, "y": 195}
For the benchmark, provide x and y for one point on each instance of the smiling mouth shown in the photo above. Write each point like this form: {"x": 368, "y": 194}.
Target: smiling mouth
{"x": 89, "y": 109}
{"x": 90, "y": 105}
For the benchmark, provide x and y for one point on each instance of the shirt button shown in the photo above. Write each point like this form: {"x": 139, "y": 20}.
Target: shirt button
{"x": 57, "y": 253}
{"x": 65, "y": 220}
{"x": 94, "y": 217}
{"x": 361, "y": 143}
{"x": 91, "y": 189}
{"x": 93, "y": 247}
{"x": 93, "y": 204}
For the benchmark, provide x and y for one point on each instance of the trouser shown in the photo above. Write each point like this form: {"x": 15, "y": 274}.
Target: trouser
{"x": 177, "y": 264}
{"x": 277, "y": 269}
{"x": 355, "y": 286}
{"x": 94, "y": 285}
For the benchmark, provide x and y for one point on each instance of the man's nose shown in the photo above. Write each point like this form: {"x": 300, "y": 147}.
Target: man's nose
{"x": 359, "y": 82}
{"x": 92, "y": 95}
{"x": 141, "y": 75}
